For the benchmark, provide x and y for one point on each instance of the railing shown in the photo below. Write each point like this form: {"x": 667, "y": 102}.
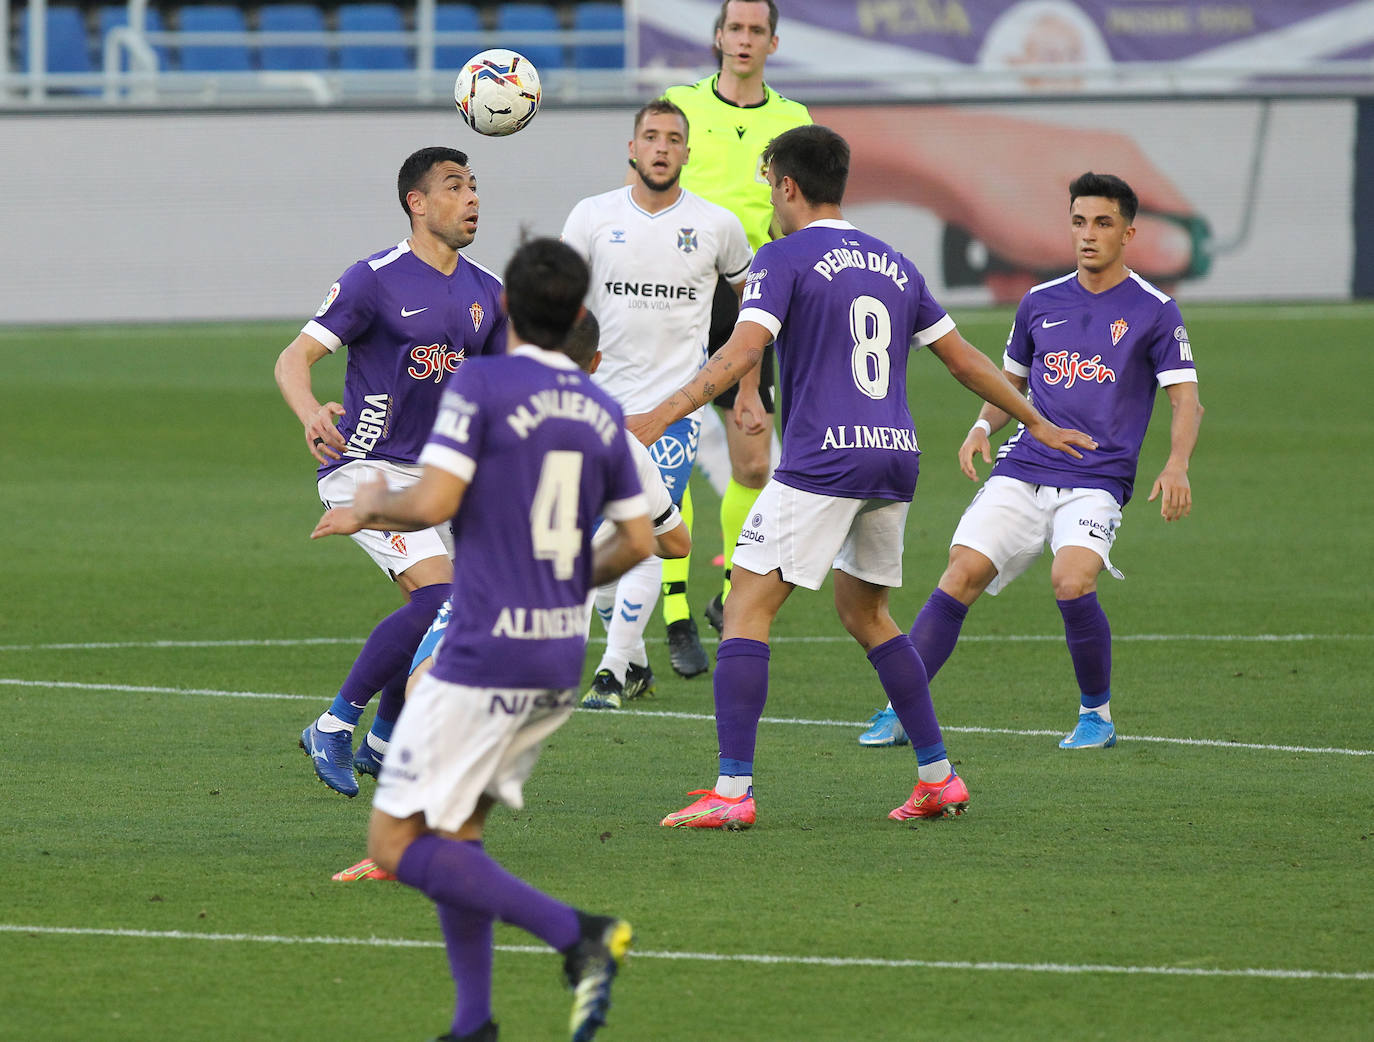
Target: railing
{"x": 143, "y": 83}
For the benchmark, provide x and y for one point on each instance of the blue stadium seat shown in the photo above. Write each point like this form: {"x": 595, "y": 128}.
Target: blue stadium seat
{"x": 219, "y": 57}
{"x": 455, "y": 18}
{"x": 372, "y": 18}
{"x": 602, "y": 16}
{"x": 112, "y": 16}
{"x": 293, "y": 57}
{"x": 512, "y": 18}
{"x": 68, "y": 47}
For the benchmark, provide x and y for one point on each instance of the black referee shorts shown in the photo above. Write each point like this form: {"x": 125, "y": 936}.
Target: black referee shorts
{"x": 724, "y": 311}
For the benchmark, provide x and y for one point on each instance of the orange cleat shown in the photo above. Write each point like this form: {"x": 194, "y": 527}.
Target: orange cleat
{"x": 714, "y": 811}
{"x": 942, "y": 799}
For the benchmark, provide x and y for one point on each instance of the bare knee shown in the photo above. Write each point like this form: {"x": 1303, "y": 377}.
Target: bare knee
{"x": 967, "y": 575}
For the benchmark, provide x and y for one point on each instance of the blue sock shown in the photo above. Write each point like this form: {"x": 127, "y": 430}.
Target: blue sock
{"x": 734, "y": 768}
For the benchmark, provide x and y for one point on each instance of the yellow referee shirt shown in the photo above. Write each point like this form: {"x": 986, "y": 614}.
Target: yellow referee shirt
{"x": 727, "y": 143}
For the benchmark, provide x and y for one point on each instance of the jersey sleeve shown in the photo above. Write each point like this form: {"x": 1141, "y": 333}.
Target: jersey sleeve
{"x": 348, "y": 308}
{"x": 1020, "y": 350}
{"x": 460, "y": 427}
{"x": 1171, "y": 349}
{"x": 768, "y": 290}
{"x": 931, "y": 321}
{"x": 624, "y": 494}
{"x": 577, "y": 229}
{"x": 735, "y": 253}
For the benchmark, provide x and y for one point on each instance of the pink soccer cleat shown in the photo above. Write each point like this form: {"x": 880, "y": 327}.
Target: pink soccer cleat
{"x": 364, "y": 869}
{"x": 942, "y": 799}
{"x": 714, "y": 811}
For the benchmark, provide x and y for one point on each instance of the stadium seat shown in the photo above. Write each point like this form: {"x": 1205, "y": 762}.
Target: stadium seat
{"x": 455, "y": 18}
{"x": 513, "y": 18}
{"x": 293, "y": 57}
{"x": 601, "y": 16}
{"x": 68, "y": 47}
{"x": 113, "y": 16}
{"x": 372, "y": 18}
{"x": 219, "y": 57}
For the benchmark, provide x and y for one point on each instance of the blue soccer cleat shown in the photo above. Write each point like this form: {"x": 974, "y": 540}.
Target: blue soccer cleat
{"x": 331, "y": 754}
{"x": 886, "y": 729}
{"x": 1091, "y": 732}
{"x": 367, "y": 760}
{"x": 590, "y": 966}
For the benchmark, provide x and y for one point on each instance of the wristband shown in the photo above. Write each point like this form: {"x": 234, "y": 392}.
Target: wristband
{"x": 983, "y": 425}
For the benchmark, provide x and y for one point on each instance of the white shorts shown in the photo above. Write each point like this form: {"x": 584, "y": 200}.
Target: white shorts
{"x": 453, "y": 743}
{"x": 1010, "y": 521}
{"x": 804, "y": 535}
{"x": 393, "y": 552}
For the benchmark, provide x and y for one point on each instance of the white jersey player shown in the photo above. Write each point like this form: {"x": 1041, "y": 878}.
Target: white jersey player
{"x": 656, "y": 252}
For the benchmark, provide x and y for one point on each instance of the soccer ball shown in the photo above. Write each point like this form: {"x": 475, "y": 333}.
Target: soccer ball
{"x": 497, "y": 92}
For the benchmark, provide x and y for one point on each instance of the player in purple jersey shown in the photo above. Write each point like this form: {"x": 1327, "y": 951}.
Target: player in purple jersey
{"x": 409, "y": 315}
{"x": 843, "y": 309}
{"x": 526, "y": 453}
{"x": 1091, "y": 348}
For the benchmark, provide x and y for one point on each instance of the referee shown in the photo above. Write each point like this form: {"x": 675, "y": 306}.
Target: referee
{"x": 733, "y": 115}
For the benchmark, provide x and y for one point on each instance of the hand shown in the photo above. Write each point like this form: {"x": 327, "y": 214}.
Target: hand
{"x": 336, "y": 521}
{"x": 974, "y": 442}
{"x": 748, "y": 413}
{"x": 1061, "y": 439}
{"x": 645, "y": 426}
{"x": 322, "y": 437}
{"x": 1174, "y": 493}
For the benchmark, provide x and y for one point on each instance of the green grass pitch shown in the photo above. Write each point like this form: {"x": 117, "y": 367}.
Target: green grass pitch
{"x": 168, "y": 629}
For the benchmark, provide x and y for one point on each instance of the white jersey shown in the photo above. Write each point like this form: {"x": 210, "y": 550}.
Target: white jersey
{"x": 653, "y": 279}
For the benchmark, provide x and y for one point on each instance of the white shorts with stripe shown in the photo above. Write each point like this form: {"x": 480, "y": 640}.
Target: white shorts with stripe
{"x": 454, "y": 743}
{"x": 393, "y": 552}
{"x": 1010, "y": 521}
{"x": 804, "y": 535}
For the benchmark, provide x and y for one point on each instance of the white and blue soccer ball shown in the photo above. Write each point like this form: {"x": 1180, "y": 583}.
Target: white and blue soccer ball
{"x": 497, "y": 92}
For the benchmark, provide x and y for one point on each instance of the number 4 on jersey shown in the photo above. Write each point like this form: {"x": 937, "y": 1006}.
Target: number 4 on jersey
{"x": 553, "y": 514}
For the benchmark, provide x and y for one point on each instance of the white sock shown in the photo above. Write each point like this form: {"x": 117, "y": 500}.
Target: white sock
{"x": 934, "y": 772}
{"x": 377, "y": 744}
{"x": 1104, "y": 711}
{"x": 329, "y": 723}
{"x": 625, "y": 632}
{"x": 733, "y": 786}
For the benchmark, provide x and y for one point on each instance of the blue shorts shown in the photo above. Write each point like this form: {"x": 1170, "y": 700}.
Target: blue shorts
{"x": 675, "y": 454}
{"x": 434, "y": 636}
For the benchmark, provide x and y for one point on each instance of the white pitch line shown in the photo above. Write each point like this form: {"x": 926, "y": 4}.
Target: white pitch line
{"x": 972, "y": 638}
{"x": 1215, "y": 743}
{"x": 769, "y": 960}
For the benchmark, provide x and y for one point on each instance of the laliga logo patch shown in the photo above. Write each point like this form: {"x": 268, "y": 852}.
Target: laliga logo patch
{"x": 668, "y": 452}
{"x": 329, "y": 298}
{"x": 756, "y": 521}
{"x": 476, "y": 312}
{"x": 398, "y": 543}
{"x": 1119, "y": 329}
{"x": 687, "y": 240}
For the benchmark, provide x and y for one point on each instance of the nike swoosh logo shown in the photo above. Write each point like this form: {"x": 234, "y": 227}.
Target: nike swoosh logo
{"x": 406, "y": 314}
{"x": 1046, "y": 324}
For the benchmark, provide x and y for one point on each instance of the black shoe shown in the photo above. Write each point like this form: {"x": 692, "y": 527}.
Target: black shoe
{"x": 715, "y": 613}
{"x": 639, "y": 681}
{"x": 486, "y": 1033}
{"x": 684, "y": 649}
{"x": 589, "y": 967}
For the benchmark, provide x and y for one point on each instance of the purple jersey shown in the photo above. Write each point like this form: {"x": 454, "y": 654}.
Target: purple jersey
{"x": 1094, "y": 362}
{"x": 407, "y": 326}
{"x": 845, "y": 309}
{"x": 544, "y": 452}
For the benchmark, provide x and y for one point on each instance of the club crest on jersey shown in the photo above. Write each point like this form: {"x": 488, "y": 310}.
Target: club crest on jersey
{"x": 476, "y": 312}
{"x": 1119, "y": 329}
{"x": 687, "y": 240}
{"x": 329, "y": 298}
{"x": 398, "y": 543}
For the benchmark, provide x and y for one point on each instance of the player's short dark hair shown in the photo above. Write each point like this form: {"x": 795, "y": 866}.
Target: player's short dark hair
{"x": 720, "y": 24}
{"x": 662, "y": 107}
{"x": 1109, "y": 186}
{"x": 583, "y": 340}
{"x": 415, "y": 170}
{"x": 545, "y": 282}
{"x": 813, "y": 156}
